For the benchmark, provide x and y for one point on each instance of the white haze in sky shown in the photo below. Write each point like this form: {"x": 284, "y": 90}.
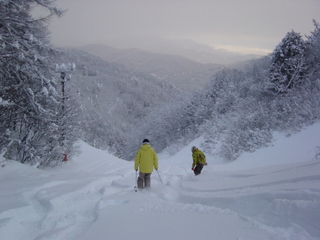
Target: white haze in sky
{"x": 247, "y": 26}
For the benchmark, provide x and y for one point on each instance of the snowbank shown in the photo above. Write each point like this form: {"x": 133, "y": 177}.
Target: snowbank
{"x": 273, "y": 193}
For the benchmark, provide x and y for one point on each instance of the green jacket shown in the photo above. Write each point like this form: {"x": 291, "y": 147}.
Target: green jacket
{"x": 198, "y": 157}
{"x": 146, "y": 159}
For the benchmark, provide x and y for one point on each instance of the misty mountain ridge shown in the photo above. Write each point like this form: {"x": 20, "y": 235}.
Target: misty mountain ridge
{"x": 181, "y": 72}
{"x": 186, "y": 48}
{"x": 183, "y": 63}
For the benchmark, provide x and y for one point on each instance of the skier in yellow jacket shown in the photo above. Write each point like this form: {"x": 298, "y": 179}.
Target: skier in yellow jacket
{"x": 199, "y": 160}
{"x": 146, "y": 159}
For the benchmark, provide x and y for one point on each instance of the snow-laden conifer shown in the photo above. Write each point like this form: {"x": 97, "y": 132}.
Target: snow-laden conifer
{"x": 288, "y": 63}
{"x": 29, "y": 100}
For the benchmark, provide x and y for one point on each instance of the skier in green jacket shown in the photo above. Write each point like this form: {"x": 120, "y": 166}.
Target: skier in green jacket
{"x": 146, "y": 159}
{"x": 199, "y": 160}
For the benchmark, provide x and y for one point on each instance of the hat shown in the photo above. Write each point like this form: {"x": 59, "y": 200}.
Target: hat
{"x": 145, "y": 141}
{"x": 193, "y": 148}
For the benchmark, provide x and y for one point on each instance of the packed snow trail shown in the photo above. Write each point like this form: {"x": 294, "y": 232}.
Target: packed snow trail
{"x": 92, "y": 197}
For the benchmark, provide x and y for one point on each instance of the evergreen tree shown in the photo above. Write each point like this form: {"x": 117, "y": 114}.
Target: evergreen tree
{"x": 313, "y": 51}
{"x": 28, "y": 99}
{"x": 288, "y": 64}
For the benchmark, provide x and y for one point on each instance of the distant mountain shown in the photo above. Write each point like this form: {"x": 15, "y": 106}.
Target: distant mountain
{"x": 112, "y": 98}
{"x": 181, "y": 47}
{"x": 179, "y": 71}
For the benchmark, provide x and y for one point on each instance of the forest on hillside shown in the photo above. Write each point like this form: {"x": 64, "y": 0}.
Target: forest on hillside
{"x": 44, "y": 112}
{"x": 241, "y": 108}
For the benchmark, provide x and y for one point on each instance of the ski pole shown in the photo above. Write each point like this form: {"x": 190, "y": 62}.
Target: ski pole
{"x": 135, "y": 186}
{"x": 160, "y": 178}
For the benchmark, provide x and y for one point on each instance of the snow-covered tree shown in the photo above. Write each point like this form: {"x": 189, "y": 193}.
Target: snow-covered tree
{"x": 29, "y": 102}
{"x": 313, "y": 51}
{"x": 288, "y": 64}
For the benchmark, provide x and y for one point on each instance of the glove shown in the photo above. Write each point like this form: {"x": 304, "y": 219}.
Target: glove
{"x": 205, "y": 164}
{"x": 192, "y": 169}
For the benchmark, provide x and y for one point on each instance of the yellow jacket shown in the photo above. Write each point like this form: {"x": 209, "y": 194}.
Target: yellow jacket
{"x": 146, "y": 159}
{"x": 198, "y": 157}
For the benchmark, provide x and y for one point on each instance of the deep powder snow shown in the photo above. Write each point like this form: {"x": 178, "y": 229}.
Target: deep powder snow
{"x": 273, "y": 193}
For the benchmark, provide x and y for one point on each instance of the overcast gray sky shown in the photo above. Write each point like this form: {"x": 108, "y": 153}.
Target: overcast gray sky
{"x": 249, "y": 26}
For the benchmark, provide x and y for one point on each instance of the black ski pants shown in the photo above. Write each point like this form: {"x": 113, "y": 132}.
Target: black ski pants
{"x": 198, "y": 169}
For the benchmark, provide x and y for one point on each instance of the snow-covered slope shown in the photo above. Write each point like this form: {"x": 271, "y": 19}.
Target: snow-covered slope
{"x": 273, "y": 193}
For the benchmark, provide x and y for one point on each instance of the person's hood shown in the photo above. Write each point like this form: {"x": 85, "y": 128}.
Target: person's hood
{"x": 145, "y": 146}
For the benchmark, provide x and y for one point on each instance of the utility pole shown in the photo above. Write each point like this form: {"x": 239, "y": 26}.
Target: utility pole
{"x": 65, "y": 75}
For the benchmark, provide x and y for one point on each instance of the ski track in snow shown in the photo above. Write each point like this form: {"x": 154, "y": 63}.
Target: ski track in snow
{"x": 81, "y": 201}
